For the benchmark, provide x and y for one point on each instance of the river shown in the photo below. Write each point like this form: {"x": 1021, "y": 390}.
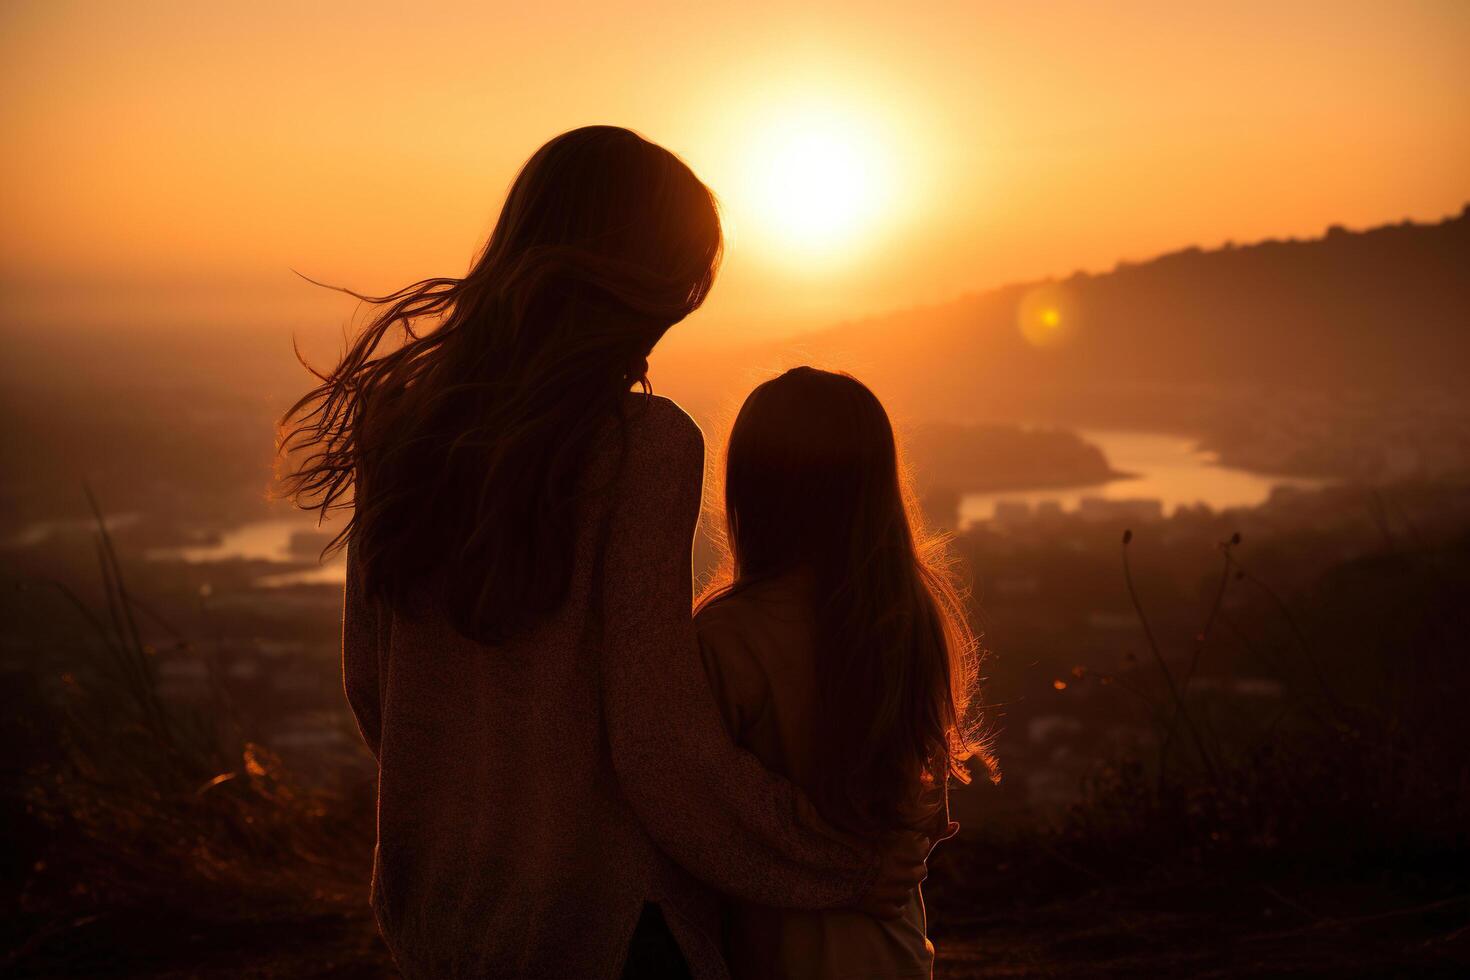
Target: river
{"x": 1170, "y": 469}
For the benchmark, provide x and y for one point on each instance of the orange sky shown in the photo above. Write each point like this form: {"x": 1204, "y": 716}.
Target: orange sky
{"x": 169, "y": 162}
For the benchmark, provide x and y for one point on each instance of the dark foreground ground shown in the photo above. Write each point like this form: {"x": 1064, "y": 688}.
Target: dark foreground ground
{"x": 151, "y": 830}
{"x": 1228, "y": 931}
{"x": 1197, "y": 928}
{"x": 1104, "y": 937}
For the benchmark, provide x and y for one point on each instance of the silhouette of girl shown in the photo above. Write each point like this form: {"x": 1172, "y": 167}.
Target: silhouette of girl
{"x": 555, "y": 786}
{"x": 839, "y": 654}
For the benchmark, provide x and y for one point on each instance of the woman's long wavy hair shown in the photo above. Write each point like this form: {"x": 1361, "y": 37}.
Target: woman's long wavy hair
{"x": 814, "y": 486}
{"x": 461, "y": 449}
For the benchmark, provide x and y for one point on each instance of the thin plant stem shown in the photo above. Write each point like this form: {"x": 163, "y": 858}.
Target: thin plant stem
{"x": 1153, "y": 644}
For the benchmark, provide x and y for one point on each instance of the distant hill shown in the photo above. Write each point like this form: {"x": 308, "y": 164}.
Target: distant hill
{"x": 982, "y": 458}
{"x": 1378, "y": 311}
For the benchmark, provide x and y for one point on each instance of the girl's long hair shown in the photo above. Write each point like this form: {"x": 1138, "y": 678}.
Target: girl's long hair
{"x": 814, "y": 486}
{"x": 460, "y": 450}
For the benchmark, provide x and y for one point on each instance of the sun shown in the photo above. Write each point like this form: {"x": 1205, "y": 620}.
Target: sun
{"x": 819, "y": 180}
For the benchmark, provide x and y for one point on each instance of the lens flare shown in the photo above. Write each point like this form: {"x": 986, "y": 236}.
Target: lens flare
{"x": 1046, "y": 317}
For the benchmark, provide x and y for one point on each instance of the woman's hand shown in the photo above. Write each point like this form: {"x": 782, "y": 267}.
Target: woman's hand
{"x": 899, "y": 874}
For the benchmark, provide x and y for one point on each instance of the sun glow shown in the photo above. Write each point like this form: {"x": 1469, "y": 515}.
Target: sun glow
{"x": 818, "y": 181}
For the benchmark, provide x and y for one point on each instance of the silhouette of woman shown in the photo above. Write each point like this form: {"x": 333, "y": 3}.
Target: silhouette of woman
{"x": 555, "y": 782}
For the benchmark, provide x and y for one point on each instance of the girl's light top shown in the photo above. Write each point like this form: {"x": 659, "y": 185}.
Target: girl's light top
{"x": 759, "y": 655}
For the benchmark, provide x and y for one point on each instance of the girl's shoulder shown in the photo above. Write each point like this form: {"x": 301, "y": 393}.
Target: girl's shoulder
{"x": 735, "y": 611}
{"x": 731, "y": 629}
{"x": 723, "y": 622}
{"x": 765, "y": 625}
{"x": 735, "y": 671}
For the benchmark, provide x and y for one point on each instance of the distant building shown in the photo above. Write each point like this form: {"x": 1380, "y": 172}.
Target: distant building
{"x": 1137, "y": 511}
{"x": 1049, "y": 510}
{"x": 1011, "y": 511}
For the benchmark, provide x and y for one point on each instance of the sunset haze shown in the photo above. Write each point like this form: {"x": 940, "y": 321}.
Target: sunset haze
{"x": 169, "y": 164}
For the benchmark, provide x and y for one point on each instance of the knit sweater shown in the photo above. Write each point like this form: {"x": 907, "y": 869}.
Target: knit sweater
{"x": 532, "y": 795}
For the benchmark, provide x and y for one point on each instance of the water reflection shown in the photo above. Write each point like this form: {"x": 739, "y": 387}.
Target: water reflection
{"x": 1166, "y": 468}
{"x": 268, "y": 540}
{"x": 295, "y": 540}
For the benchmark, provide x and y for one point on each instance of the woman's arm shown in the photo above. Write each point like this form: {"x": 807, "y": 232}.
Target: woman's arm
{"x": 709, "y": 805}
{"x": 360, "y": 657}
